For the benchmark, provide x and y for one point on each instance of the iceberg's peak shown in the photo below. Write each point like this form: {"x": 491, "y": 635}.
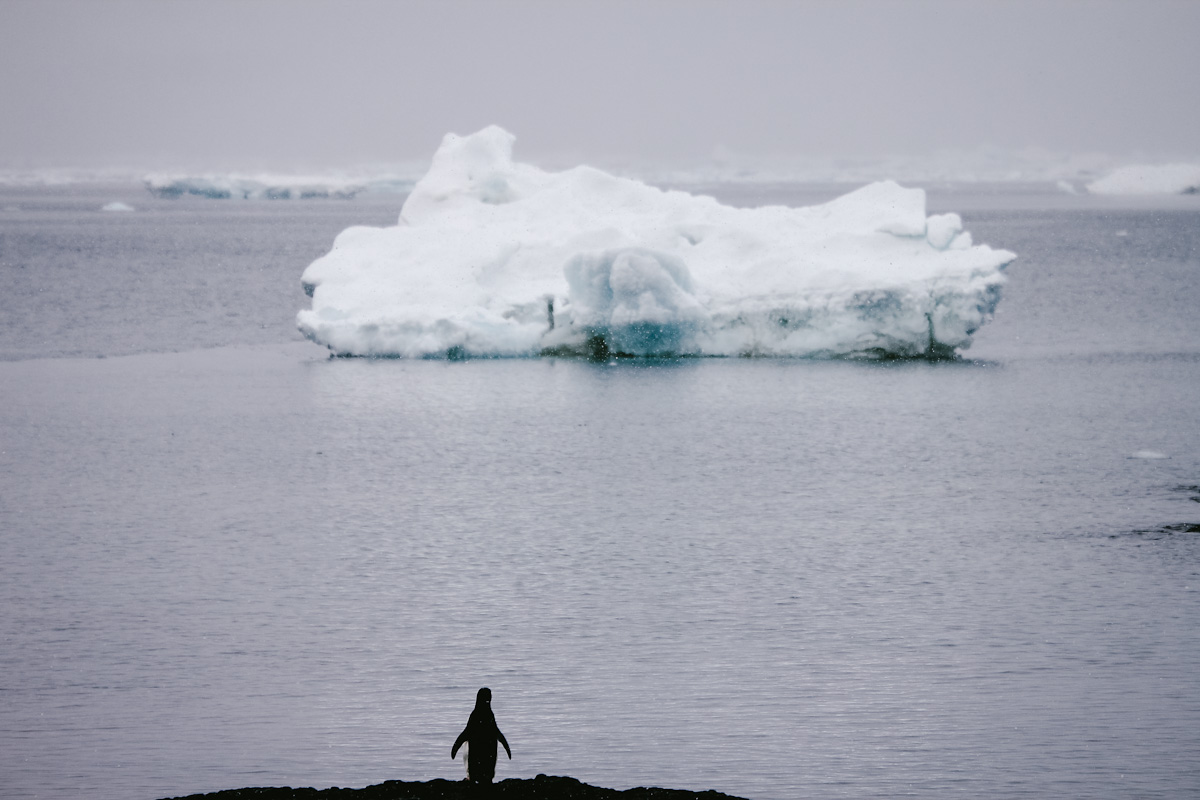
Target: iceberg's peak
{"x": 466, "y": 162}
{"x": 473, "y": 169}
{"x": 501, "y": 258}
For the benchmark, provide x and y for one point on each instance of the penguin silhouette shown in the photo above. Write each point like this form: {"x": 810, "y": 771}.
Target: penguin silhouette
{"x": 481, "y": 735}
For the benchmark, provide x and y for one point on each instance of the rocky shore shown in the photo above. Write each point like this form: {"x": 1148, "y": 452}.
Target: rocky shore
{"x": 543, "y": 787}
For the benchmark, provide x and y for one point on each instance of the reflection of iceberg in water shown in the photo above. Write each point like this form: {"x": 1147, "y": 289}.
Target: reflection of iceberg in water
{"x": 497, "y": 258}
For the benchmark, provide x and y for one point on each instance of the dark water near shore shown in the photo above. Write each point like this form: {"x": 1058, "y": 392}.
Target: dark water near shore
{"x": 244, "y": 564}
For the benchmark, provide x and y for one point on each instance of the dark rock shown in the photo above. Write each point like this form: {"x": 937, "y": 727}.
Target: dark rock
{"x": 543, "y": 787}
{"x": 1193, "y": 490}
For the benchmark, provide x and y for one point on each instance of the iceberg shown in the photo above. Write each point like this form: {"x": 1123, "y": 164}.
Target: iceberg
{"x": 1138, "y": 179}
{"x": 492, "y": 258}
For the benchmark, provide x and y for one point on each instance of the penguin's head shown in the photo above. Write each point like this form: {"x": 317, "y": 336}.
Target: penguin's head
{"x": 484, "y": 697}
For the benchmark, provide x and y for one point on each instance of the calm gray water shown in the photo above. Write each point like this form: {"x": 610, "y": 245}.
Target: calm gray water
{"x": 245, "y": 564}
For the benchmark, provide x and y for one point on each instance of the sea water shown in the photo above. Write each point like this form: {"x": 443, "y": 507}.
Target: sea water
{"x": 227, "y": 560}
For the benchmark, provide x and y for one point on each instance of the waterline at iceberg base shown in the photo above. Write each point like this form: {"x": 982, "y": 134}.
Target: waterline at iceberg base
{"x": 494, "y": 258}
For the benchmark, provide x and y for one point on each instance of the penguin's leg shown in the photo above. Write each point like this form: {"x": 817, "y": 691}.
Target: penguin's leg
{"x": 482, "y": 768}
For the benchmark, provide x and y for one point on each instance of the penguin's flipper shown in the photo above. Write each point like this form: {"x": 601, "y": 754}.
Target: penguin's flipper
{"x": 504, "y": 742}
{"x": 462, "y": 737}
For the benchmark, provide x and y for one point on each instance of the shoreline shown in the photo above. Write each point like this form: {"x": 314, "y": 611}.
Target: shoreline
{"x": 543, "y": 787}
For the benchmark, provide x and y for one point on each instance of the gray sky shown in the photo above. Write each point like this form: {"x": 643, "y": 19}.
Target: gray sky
{"x": 266, "y": 83}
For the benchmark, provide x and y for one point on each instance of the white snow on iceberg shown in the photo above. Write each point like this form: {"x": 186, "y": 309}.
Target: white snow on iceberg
{"x": 497, "y": 258}
{"x": 1149, "y": 179}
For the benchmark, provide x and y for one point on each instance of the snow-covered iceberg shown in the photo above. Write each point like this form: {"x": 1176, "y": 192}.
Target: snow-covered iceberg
{"x": 1149, "y": 179}
{"x": 496, "y": 258}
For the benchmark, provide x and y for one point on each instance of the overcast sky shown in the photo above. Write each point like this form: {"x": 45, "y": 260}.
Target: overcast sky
{"x": 278, "y": 84}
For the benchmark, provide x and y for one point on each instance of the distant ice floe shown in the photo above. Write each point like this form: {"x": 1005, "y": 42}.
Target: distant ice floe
{"x": 1069, "y": 172}
{"x": 496, "y": 258}
{"x": 1149, "y": 179}
{"x": 223, "y": 186}
{"x": 397, "y": 178}
{"x": 63, "y": 176}
{"x": 979, "y": 165}
{"x": 277, "y": 187}
{"x": 1149, "y": 455}
{"x": 116, "y": 205}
